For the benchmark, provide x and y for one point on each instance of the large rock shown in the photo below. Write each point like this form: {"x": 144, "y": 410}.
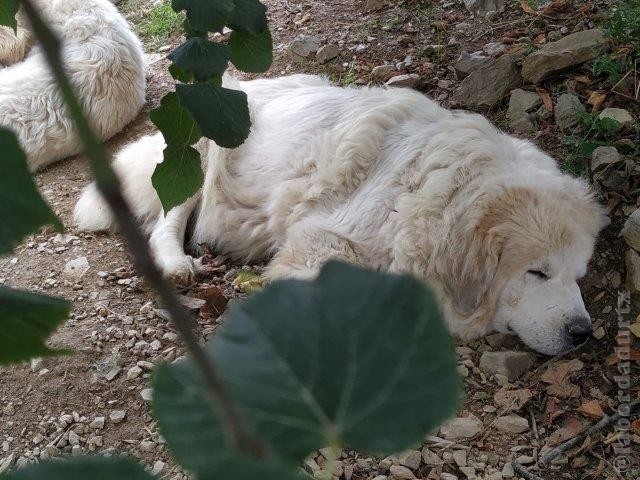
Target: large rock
{"x": 604, "y": 156}
{"x": 568, "y": 111}
{"x": 489, "y": 84}
{"x": 572, "y": 50}
{"x": 483, "y": 6}
{"x": 508, "y": 363}
{"x": 631, "y": 230}
{"x": 466, "y": 64}
{"x": 620, "y": 115}
{"x": 632, "y": 261}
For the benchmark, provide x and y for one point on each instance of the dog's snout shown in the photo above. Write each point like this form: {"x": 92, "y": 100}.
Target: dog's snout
{"x": 579, "y": 330}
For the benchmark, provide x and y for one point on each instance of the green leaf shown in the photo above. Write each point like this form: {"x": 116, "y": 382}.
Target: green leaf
{"x": 610, "y": 125}
{"x": 8, "y": 11}
{"x": 82, "y": 468}
{"x": 201, "y": 57}
{"x": 175, "y": 121}
{"x": 251, "y": 53}
{"x": 193, "y": 433}
{"x": 21, "y": 207}
{"x": 249, "y": 16}
{"x": 26, "y": 320}
{"x": 587, "y": 148}
{"x": 179, "y": 176}
{"x": 353, "y": 358}
{"x": 205, "y": 15}
{"x": 222, "y": 114}
{"x": 179, "y": 74}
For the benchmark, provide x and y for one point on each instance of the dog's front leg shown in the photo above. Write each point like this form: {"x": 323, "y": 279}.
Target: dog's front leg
{"x": 167, "y": 243}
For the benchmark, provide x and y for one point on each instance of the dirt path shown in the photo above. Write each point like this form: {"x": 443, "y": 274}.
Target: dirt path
{"x": 54, "y": 407}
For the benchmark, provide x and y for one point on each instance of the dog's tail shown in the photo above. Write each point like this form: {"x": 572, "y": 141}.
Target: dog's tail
{"x": 134, "y": 165}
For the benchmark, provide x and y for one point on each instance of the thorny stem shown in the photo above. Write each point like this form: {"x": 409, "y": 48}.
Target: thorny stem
{"x": 109, "y": 186}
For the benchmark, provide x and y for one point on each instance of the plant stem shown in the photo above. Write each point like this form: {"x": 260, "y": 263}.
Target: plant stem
{"x": 109, "y": 186}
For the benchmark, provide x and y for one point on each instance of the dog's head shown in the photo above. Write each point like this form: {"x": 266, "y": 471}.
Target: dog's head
{"x": 517, "y": 260}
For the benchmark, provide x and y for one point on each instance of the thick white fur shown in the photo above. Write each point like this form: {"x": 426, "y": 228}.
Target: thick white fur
{"x": 388, "y": 179}
{"x": 105, "y": 63}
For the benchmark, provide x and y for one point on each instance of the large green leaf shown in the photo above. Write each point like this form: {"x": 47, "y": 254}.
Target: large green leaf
{"x": 22, "y": 209}
{"x": 201, "y": 57}
{"x": 179, "y": 176}
{"x": 355, "y": 358}
{"x": 26, "y": 320}
{"x": 358, "y": 355}
{"x": 205, "y": 15}
{"x": 193, "y": 433}
{"x": 8, "y": 10}
{"x": 175, "y": 121}
{"x": 251, "y": 53}
{"x": 222, "y": 114}
{"x": 248, "y": 16}
{"x": 82, "y": 468}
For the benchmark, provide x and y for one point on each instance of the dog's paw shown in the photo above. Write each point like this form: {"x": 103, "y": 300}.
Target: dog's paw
{"x": 180, "y": 270}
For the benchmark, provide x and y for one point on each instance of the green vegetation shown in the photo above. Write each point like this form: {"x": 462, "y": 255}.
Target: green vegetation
{"x": 156, "y": 27}
{"x": 595, "y": 132}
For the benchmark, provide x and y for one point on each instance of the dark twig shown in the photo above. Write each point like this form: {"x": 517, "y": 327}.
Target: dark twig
{"x": 523, "y": 472}
{"x": 548, "y": 457}
{"x": 109, "y": 186}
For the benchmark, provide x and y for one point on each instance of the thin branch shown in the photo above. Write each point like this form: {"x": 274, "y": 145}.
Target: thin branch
{"x": 548, "y": 457}
{"x": 109, "y": 186}
{"x": 523, "y": 472}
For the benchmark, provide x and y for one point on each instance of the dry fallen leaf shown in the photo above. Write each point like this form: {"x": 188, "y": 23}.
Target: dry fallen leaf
{"x": 512, "y": 400}
{"x": 527, "y": 8}
{"x": 216, "y": 302}
{"x": 556, "y": 6}
{"x": 560, "y": 371}
{"x": 572, "y": 427}
{"x": 591, "y": 409}
{"x": 553, "y": 410}
{"x": 596, "y": 99}
{"x": 564, "y": 390}
{"x": 635, "y": 329}
{"x": 546, "y": 99}
{"x": 540, "y": 39}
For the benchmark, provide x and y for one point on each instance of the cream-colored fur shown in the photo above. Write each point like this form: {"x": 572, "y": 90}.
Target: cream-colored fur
{"x": 388, "y": 179}
{"x": 104, "y": 61}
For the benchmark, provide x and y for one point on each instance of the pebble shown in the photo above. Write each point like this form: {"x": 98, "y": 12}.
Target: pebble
{"x": 631, "y": 230}
{"x": 632, "y": 262}
{"x": 512, "y": 424}
{"x": 461, "y": 427}
{"x": 147, "y": 394}
{"x": 113, "y": 373}
{"x": 399, "y": 472}
{"x": 569, "y": 109}
{"x": 620, "y": 115}
{"x": 97, "y": 422}
{"x": 604, "y": 156}
{"x": 411, "y": 459}
{"x": 134, "y": 372}
{"x": 509, "y": 363}
{"x": 117, "y": 416}
{"x": 76, "y": 268}
{"x": 327, "y": 53}
{"x": 410, "y": 80}
{"x": 382, "y": 72}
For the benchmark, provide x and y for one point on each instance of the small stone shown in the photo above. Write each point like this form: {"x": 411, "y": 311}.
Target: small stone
{"x": 76, "y": 268}
{"x": 147, "y": 446}
{"x": 482, "y": 7}
{"x": 191, "y": 303}
{"x": 493, "y": 49}
{"x": 411, "y": 459}
{"x": 599, "y": 333}
{"x": 460, "y": 457}
{"x": 147, "y": 394}
{"x": 522, "y": 101}
{"x": 461, "y": 427}
{"x": 133, "y": 372}
{"x": 631, "y": 230}
{"x": 410, "y": 80}
{"x": 502, "y": 340}
{"x": 508, "y": 471}
{"x": 604, "y": 156}
{"x": 327, "y": 53}
{"x": 489, "y": 83}
{"x": 158, "y": 466}
{"x": 632, "y": 261}
{"x": 113, "y": 373}
{"x": 469, "y": 472}
{"x": 304, "y": 46}
{"x": 117, "y": 416}
{"x": 399, "y": 472}
{"x": 73, "y": 438}
{"x": 373, "y": 5}
{"x": 620, "y": 115}
{"x": 512, "y": 424}
{"x": 448, "y": 476}
{"x": 76, "y": 451}
{"x": 508, "y": 363}
{"x": 36, "y": 364}
{"x": 465, "y": 64}
{"x": 568, "y": 111}
{"x": 97, "y": 422}
{"x": 382, "y": 72}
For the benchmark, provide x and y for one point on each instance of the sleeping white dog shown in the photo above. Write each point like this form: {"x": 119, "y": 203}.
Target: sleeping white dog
{"x": 104, "y": 61}
{"x": 388, "y": 179}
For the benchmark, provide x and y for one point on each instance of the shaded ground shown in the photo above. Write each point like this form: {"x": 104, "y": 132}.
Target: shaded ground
{"x": 116, "y": 331}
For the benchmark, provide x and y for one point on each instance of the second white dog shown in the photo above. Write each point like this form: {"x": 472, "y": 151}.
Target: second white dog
{"x": 104, "y": 61}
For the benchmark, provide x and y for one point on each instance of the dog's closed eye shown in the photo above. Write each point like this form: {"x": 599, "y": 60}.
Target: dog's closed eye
{"x": 538, "y": 274}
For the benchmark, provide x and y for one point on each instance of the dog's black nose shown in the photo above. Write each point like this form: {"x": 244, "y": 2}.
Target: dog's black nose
{"x": 579, "y": 331}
